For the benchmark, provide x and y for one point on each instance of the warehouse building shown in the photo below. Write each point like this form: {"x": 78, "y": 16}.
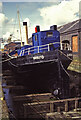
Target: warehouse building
{"x": 70, "y": 37}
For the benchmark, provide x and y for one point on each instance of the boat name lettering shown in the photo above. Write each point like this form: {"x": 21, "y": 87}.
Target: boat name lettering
{"x": 38, "y": 57}
{"x": 69, "y": 54}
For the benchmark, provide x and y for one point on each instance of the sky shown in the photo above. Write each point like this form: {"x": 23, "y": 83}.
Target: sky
{"x": 45, "y": 14}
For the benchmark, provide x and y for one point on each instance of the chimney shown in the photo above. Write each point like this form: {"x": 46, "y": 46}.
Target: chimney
{"x": 26, "y": 29}
{"x": 37, "y": 29}
{"x": 53, "y": 27}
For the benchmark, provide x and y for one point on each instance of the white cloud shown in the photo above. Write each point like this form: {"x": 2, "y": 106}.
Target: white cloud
{"x": 6, "y": 36}
{"x": 5, "y": 25}
{"x": 16, "y": 31}
{"x": 3, "y": 19}
{"x": 60, "y": 14}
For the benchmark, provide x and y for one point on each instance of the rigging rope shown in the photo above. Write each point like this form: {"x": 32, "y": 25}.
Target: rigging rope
{"x": 62, "y": 64}
{"x": 14, "y": 24}
{"x": 12, "y": 114}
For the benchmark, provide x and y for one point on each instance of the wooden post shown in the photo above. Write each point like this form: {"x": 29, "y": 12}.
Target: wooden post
{"x": 46, "y": 117}
{"x": 66, "y": 106}
{"x": 25, "y": 111}
{"x": 51, "y": 107}
{"x": 58, "y": 109}
{"x": 76, "y": 104}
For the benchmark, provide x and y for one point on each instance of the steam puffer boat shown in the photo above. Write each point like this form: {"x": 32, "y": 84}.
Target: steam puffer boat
{"x": 42, "y": 66}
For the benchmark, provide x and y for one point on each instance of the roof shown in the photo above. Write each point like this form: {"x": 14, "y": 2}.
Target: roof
{"x": 75, "y": 25}
{"x": 15, "y": 43}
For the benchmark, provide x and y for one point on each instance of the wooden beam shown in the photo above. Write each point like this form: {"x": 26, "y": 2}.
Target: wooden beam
{"x": 18, "y": 98}
{"x": 56, "y": 101}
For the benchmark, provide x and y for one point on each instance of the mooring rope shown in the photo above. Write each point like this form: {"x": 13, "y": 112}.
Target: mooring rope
{"x": 62, "y": 64}
{"x": 13, "y": 64}
{"x": 8, "y": 60}
{"x": 64, "y": 69}
{"x": 10, "y": 57}
{"x": 65, "y": 55}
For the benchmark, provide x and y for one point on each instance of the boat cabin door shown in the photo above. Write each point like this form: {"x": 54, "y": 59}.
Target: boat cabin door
{"x": 35, "y": 39}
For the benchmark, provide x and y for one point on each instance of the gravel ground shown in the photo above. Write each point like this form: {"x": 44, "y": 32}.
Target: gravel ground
{"x": 3, "y": 107}
{"x": 4, "y": 111}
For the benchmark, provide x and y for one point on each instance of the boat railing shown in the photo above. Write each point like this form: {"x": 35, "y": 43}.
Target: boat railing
{"x": 37, "y": 49}
{"x": 65, "y": 46}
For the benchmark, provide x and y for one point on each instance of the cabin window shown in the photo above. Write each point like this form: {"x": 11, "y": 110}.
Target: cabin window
{"x": 49, "y": 34}
{"x": 35, "y": 37}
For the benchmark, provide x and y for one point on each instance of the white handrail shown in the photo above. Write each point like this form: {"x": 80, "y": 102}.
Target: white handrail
{"x": 48, "y": 48}
{"x": 38, "y": 48}
{"x": 63, "y": 46}
{"x": 41, "y": 47}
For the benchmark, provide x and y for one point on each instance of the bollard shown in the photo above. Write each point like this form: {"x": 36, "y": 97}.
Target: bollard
{"x": 25, "y": 112}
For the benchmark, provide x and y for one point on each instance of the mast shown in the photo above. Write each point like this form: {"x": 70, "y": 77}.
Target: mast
{"x": 19, "y": 27}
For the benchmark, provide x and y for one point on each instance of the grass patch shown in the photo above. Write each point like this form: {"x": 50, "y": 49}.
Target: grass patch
{"x": 75, "y": 65}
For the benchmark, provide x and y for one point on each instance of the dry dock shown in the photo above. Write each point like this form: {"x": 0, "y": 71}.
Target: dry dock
{"x": 41, "y": 106}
